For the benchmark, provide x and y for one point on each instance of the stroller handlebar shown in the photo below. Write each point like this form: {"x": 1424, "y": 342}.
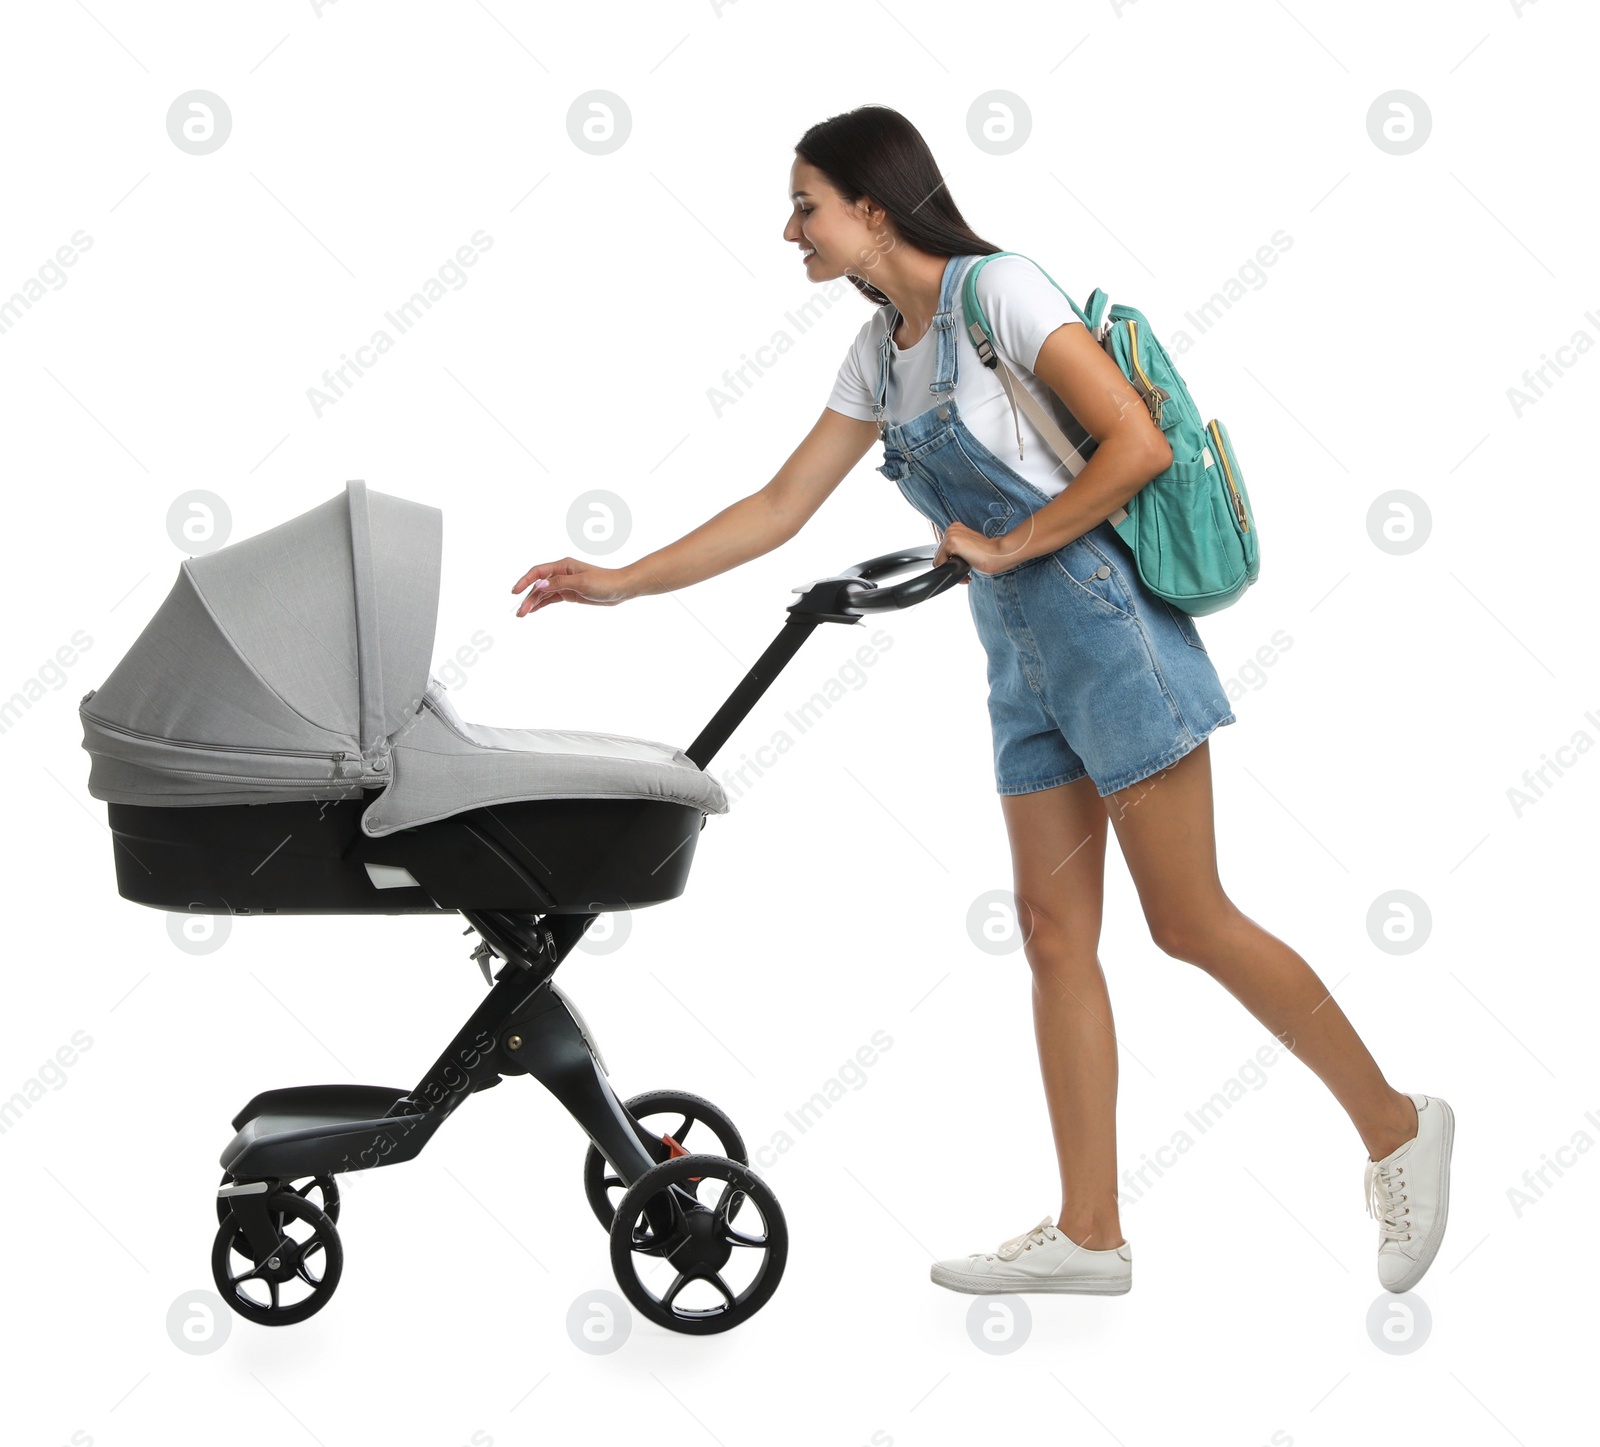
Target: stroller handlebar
{"x": 844, "y": 597}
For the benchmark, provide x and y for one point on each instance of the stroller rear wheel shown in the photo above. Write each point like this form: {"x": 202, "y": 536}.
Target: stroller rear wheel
{"x": 326, "y": 1188}
{"x": 295, "y": 1278}
{"x": 675, "y": 1224}
{"x": 604, "y": 1187}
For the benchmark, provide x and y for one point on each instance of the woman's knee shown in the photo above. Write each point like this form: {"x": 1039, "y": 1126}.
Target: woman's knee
{"x": 1198, "y": 935}
{"x": 1052, "y": 935}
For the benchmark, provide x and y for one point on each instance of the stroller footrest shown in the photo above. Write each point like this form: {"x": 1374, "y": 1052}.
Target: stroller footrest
{"x": 311, "y": 1130}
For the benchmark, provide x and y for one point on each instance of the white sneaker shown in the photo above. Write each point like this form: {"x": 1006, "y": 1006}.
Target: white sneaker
{"x": 1409, "y": 1192}
{"x": 1042, "y": 1259}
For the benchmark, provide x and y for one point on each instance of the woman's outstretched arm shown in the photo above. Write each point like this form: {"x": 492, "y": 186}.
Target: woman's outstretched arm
{"x": 744, "y": 530}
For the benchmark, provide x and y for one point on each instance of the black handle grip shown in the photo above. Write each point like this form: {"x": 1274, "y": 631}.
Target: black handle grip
{"x": 913, "y": 590}
{"x": 847, "y": 596}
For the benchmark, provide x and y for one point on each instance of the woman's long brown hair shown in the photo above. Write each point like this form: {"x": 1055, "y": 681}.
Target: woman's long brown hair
{"x": 875, "y": 151}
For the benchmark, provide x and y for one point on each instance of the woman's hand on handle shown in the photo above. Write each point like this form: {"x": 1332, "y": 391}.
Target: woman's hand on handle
{"x": 985, "y": 555}
{"x": 571, "y": 581}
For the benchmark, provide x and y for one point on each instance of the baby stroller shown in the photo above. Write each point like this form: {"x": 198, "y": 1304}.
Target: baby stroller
{"x": 273, "y": 743}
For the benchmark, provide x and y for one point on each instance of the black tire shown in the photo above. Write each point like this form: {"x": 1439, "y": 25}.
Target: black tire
{"x": 699, "y": 1242}
{"x": 326, "y": 1186}
{"x": 314, "y": 1258}
{"x": 604, "y": 1188}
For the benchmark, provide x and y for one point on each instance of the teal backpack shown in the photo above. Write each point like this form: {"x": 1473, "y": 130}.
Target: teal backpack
{"x": 1190, "y": 528}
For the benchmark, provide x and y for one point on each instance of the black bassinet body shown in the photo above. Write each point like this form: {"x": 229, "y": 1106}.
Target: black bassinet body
{"x": 273, "y": 743}
{"x": 548, "y": 856}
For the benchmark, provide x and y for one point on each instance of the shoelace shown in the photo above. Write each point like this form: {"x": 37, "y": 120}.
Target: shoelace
{"x": 1384, "y": 1189}
{"x": 1010, "y": 1250}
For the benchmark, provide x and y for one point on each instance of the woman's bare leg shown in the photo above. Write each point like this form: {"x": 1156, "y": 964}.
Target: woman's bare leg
{"x": 1058, "y": 849}
{"x": 1164, "y": 827}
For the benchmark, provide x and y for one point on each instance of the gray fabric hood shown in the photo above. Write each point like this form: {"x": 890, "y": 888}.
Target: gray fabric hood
{"x": 295, "y": 665}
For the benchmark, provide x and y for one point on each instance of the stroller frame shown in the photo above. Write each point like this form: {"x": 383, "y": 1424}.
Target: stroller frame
{"x": 526, "y": 1026}
{"x": 523, "y": 1026}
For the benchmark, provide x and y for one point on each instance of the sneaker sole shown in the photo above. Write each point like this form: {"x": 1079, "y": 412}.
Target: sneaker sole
{"x": 1432, "y": 1249}
{"x": 988, "y": 1286}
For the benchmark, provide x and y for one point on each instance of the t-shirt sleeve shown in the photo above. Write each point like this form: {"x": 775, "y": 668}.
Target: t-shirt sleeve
{"x": 852, "y": 394}
{"x": 1023, "y": 306}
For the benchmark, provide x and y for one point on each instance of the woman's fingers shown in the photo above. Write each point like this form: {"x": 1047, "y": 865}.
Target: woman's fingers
{"x": 542, "y": 592}
{"x": 543, "y": 583}
{"x": 544, "y": 571}
{"x": 569, "y": 581}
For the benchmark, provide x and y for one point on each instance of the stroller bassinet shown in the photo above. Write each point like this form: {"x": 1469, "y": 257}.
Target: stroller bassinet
{"x": 273, "y": 743}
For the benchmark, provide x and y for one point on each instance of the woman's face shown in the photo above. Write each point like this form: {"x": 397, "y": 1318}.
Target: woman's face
{"x": 831, "y": 237}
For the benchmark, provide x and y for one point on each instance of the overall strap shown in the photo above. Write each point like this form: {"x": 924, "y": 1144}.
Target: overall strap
{"x": 947, "y": 362}
{"x": 880, "y": 398}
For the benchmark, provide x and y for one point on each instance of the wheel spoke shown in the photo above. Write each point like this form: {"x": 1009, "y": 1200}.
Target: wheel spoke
{"x": 727, "y": 1205}
{"x": 670, "y": 1295}
{"x": 682, "y": 1279}
{"x": 735, "y": 1237}
{"x": 272, "y": 1286}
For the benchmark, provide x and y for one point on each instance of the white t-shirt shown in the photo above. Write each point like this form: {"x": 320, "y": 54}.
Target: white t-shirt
{"x": 1023, "y": 307}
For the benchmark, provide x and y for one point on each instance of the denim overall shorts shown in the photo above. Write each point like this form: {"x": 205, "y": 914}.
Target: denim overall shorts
{"x": 1089, "y": 672}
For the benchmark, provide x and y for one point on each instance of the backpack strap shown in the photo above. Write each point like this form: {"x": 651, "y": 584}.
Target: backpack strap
{"x": 1098, "y": 319}
{"x": 982, "y": 340}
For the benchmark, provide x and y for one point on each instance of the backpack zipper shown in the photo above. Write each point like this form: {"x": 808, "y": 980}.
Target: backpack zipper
{"x": 1227, "y": 472}
{"x": 1155, "y": 398}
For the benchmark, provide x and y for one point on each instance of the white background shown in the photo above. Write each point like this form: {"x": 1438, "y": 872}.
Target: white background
{"x": 1374, "y": 754}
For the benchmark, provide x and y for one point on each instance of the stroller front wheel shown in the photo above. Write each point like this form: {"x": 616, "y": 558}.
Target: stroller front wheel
{"x": 294, "y": 1278}
{"x": 675, "y": 1224}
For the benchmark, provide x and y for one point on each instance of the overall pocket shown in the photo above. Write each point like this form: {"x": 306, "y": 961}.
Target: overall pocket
{"x": 1095, "y": 576}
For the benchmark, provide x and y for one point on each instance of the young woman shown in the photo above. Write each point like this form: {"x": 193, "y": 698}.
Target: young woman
{"x": 1101, "y": 696}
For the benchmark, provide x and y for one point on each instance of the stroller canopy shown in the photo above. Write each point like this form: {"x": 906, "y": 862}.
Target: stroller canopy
{"x": 296, "y": 665}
